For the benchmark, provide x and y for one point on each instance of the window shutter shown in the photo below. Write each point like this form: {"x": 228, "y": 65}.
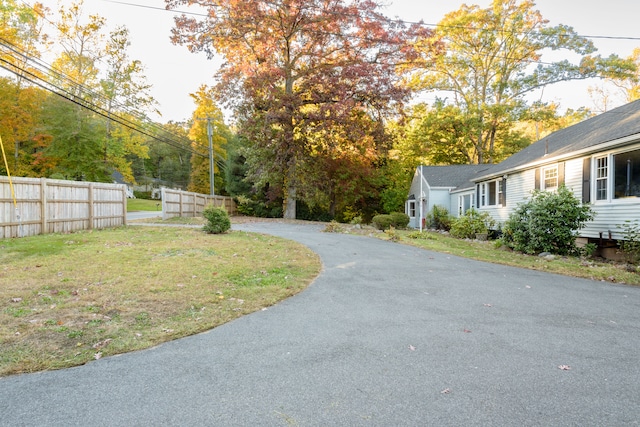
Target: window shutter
{"x": 477, "y": 196}
{"x": 537, "y": 179}
{"x": 560, "y": 174}
{"x": 586, "y": 180}
{"x": 504, "y": 192}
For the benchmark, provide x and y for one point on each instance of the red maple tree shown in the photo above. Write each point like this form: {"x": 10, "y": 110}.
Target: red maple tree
{"x": 297, "y": 70}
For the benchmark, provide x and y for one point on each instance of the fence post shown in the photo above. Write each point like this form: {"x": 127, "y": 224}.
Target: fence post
{"x": 124, "y": 205}
{"x": 90, "y": 206}
{"x": 165, "y": 205}
{"x": 43, "y": 205}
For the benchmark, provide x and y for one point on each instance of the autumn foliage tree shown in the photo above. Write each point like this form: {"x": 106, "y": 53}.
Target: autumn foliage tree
{"x": 207, "y": 114}
{"x": 20, "y": 31}
{"x": 493, "y": 58}
{"x": 295, "y": 71}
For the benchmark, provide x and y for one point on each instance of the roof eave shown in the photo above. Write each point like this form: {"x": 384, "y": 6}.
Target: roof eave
{"x": 545, "y": 160}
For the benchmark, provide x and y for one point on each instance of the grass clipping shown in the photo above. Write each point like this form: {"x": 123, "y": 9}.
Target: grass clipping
{"x": 68, "y": 299}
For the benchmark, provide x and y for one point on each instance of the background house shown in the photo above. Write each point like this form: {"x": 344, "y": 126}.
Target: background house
{"x": 451, "y": 187}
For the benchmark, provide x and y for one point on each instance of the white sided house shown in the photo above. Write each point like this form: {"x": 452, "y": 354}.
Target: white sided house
{"x": 598, "y": 159}
{"x": 451, "y": 187}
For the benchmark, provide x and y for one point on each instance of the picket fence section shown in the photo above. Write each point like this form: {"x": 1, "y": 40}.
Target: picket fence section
{"x": 58, "y": 206}
{"x": 186, "y": 204}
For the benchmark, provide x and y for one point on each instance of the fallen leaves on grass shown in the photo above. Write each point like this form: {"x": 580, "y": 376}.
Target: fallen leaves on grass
{"x": 101, "y": 344}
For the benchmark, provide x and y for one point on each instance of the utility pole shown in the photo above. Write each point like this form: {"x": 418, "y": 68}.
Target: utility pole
{"x": 211, "y": 169}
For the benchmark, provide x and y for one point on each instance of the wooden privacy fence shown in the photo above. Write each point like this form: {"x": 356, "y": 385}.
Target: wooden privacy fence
{"x": 58, "y": 206}
{"x": 183, "y": 203}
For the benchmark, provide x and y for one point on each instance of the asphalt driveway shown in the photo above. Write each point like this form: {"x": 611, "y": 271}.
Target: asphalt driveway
{"x": 388, "y": 335}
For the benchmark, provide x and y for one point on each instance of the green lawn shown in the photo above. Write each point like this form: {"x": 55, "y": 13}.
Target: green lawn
{"x": 66, "y": 299}
{"x": 143, "y": 205}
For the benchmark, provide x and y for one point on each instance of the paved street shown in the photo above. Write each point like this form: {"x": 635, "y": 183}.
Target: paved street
{"x": 388, "y": 335}
{"x": 131, "y": 216}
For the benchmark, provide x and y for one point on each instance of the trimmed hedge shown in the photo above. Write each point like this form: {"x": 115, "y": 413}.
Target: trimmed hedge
{"x": 395, "y": 219}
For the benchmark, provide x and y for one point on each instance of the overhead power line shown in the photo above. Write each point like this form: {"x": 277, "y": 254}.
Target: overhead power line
{"x": 36, "y": 71}
{"x": 381, "y": 18}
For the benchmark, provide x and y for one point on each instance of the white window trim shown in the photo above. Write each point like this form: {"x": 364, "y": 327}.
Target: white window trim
{"x": 610, "y": 178}
{"x": 410, "y": 210}
{"x": 543, "y": 178}
{"x": 594, "y": 181}
{"x": 461, "y": 198}
{"x": 485, "y": 196}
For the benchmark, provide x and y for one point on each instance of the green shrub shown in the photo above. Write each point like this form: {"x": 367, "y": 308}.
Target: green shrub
{"x": 589, "y": 250}
{"x": 249, "y": 207}
{"x": 217, "y": 220}
{"x": 548, "y": 222}
{"x": 142, "y": 194}
{"x": 630, "y": 245}
{"x": 382, "y": 222}
{"x": 470, "y": 224}
{"x": 399, "y": 219}
{"x": 439, "y": 218}
{"x": 356, "y": 220}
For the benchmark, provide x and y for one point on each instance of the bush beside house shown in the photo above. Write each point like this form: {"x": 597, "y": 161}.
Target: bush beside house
{"x": 548, "y": 222}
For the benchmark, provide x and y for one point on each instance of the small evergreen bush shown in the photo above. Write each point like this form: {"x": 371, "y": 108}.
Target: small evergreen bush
{"x": 382, "y": 222}
{"x": 439, "y": 218}
{"x": 470, "y": 224}
{"x": 218, "y": 221}
{"x": 548, "y": 222}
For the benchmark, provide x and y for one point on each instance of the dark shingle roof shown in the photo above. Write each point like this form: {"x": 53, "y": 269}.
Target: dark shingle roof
{"x": 609, "y": 126}
{"x": 453, "y": 176}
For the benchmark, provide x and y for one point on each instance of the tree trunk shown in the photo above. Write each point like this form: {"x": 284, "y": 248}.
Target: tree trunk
{"x": 290, "y": 205}
{"x": 289, "y": 208}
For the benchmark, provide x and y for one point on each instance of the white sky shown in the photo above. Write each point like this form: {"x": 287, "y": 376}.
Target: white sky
{"x": 174, "y": 72}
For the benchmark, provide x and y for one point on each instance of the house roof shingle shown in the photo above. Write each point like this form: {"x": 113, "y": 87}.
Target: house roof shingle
{"x": 606, "y": 127}
{"x": 453, "y": 176}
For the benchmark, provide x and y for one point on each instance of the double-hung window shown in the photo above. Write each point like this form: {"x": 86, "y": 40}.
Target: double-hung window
{"x": 412, "y": 208}
{"x": 602, "y": 177}
{"x": 491, "y": 193}
{"x": 550, "y": 178}
{"x": 617, "y": 176}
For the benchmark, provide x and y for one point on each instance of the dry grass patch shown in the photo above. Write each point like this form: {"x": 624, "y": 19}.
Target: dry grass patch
{"x": 67, "y": 299}
{"x": 593, "y": 269}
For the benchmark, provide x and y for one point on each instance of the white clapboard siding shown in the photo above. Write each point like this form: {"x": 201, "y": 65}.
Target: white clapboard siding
{"x": 610, "y": 217}
{"x": 177, "y": 203}
{"x": 59, "y": 206}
